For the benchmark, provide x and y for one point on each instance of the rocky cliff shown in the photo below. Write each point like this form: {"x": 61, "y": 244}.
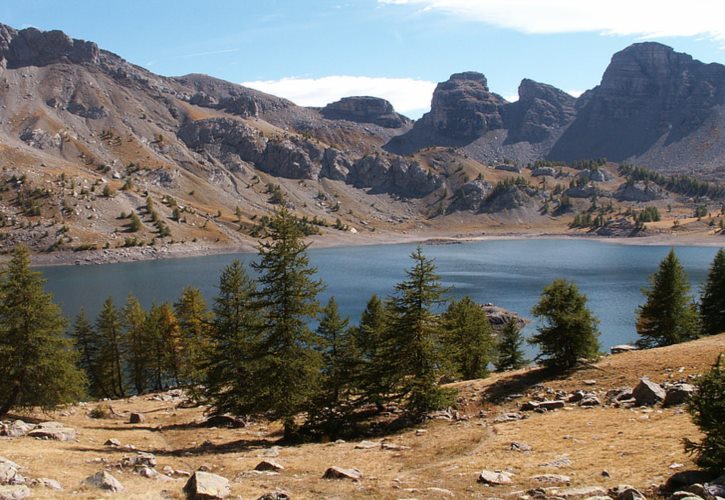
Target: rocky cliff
{"x": 365, "y": 109}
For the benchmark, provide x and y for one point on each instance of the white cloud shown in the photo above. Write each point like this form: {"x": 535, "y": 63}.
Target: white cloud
{"x": 645, "y": 18}
{"x": 406, "y": 94}
{"x": 575, "y": 93}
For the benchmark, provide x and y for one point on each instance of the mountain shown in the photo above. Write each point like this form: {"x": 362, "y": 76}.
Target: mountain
{"x": 88, "y": 138}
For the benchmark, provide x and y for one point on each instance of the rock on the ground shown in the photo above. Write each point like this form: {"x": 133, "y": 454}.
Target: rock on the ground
{"x": 54, "y": 431}
{"x": 335, "y": 472}
{"x": 494, "y": 478}
{"x": 15, "y": 492}
{"x": 136, "y": 418}
{"x": 104, "y": 481}
{"x": 678, "y": 394}
{"x": 275, "y": 495}
{"x": 552, "y": 479}
{"x": 618, "y": 349}
{"x": 113, "y": 442}
{"x": 269, "y": 465}
{"x": 205, "y": 485}
{"x": 367, "y": 445}
{"x": 590, "y": 400}
{"x": 45, "y": 482}
{"x": 648, "y": 393}
{"x": 684, "y": 495}
{"x": 141, "y": 459}
{"x": 583, "y": 492}
{"x": 16, "y": 428}
{"x": 522, "y": 447}
{"x": 10, "y": 475}
{"x": 625, "y": 492}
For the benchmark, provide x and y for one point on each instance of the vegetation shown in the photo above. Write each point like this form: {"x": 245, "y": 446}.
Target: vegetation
{"x": 468, "y": 339}
{"x": 569, "y": 330}
{"x": 681, "y": 184}
{"x": 509, "y": 355}
{"x": 707, "y": 407}
{"x": 712, "y": 298}
{"x": 668, "y": 316}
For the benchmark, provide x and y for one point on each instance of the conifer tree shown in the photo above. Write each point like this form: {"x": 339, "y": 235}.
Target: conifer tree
{"x": 138, "y": 343}
{"x": 509, "y": 354}
{"x": 229, "y": 384}
{"x": 370, "y": 335}
{"x": 414, "y": 357}
{"x": 340, "y": 354}
{"x": 287, "y": 298}
{"x": 569, "y": 330}
{"x": 86, "y": 343}
{"x": 195, "y": 321}
{"x": 170, "y": 333}
{"x": 468, "y": 339}
{"x": 712, "y": 297}
{"x": 707, "y": 407}
{"x": 111, "y": 352}
{"x": 37, "y": 362}
{"x": 668, "y": 316}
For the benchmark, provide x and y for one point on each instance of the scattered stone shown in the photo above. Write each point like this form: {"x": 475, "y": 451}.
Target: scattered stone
{"x": 678, "y": 394}
{"x": 10, "y": 475}
{"x": 684, "y": 495}
{"x": 394, "y": 447}
{"x": 509, "y": 417}
{"x": 420, "y": 432}
{"x": 552, "y": 479}
{"x": 44, "y": 482}
{"x": 576, "y": 396}
{"x": 558, "y": 463}
{"x": 366, "y": 445}
{"x": 529, "y": 406}
{"x": 590, "y": 382}
{"x": 715, "y": 489}
{"x": 204, "y": 485}
{"x": 141, "y": 459}
{"x": 619, "y": 349}
{"x": 583, "y": 492}
{"x": 16, "y": 428}
{"x": 335, "y": 472}
{"x": 148, "y": 472}
{"x": 648, "y": 393}
{"x": 522, "y": 447}
{"x": 589, "y": 401}
{"x": 104, "y": 481}
{"x": 14, "y": 492}
{"x": 136, "y": 418}
{"x": 54, "y": 431}
{"x": 552, "y": 404}
{"x": 494, "y": 478}
{"x": 113, "y": 442}
{"x": 269, "y": 465}
{"x": 625, "y": 492}
{"x": 275, "y": 495}
{"x": 698, "y": 489}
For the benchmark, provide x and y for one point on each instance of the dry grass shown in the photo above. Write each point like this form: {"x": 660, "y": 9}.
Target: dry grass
{"x": 633, "y": 446}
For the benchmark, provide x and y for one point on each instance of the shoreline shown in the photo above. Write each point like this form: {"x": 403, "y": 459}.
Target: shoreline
{"x": 181, "y": 251}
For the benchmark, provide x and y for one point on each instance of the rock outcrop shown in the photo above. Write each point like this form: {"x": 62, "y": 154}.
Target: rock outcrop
{"x": 539, "y": 113}
{"x": 32, "y": 47}
{"x": 365, "y": 109}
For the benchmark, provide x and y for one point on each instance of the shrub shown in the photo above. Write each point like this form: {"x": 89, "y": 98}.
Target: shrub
{"x": 707, "y": 407}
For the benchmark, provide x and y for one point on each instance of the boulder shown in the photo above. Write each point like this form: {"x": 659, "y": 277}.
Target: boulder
{"x": 275, "y": 495}
{"x": 10, "y": 475}
{"x": 625, "y": 492}
{"x": 112, "y": 442}
{"x": 14, "y": 492}
{"x": 367, "y": 445}
{"x": 618, "y": 349}
{"x": 269, "y": 465}
{"x": 583, "y": 492}
{"x": 47, "y": 483}
{"x": 16, "y": 428}
{"x": 684, "y": 495}
{"x": 54, "y": 431}
{"x": 136, "y": 418}
{"x": 205, "y": 485}
{"x": 552, "y": 479}
{"x": 678, "y": 394}
{"x": 648, "y": 393}
{"x": 522, "y": 447}
{"x": 335, "y": 472}
{"x": 494, "y": 478}
{"x": 141, "y": 459}
{"x": 544, "y": 172}
{"x": 104, "y": 481}
{"x": 589, "y": 401}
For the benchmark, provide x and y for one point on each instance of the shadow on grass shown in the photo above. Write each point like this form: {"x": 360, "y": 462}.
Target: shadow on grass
{"x": 238, "y": 446}
{"x": 519, "y": 384}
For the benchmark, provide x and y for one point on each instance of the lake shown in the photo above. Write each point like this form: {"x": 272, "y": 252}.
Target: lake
{"x": 509, "y": 273}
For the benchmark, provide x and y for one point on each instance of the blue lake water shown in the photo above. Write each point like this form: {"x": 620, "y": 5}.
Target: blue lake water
{"x": 509, "y": 273}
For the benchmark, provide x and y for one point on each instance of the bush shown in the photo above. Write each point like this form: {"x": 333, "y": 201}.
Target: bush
{"x": 707, "y": 407}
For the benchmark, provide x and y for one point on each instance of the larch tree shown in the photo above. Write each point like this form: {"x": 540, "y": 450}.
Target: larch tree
{"x": 195, "y": 321}
{"x": 468, "y": 339}
{"x": 370, "y": 336}
{"x": 568, "y": 330}
{"x": 86, "y": 343}
{"x": 340, "y": 354}
{"x": 287, "y": 291}
{"x": 37, "y": 360}
{"x": 139, "y": 345}
{"x": 668, "y": 315}
{"x": 509, "y": 355}
{"x": 712, "y": 297}
{"x": 112, "y": 351}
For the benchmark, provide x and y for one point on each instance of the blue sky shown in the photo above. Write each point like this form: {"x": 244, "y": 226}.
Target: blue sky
{"x": 315, "y": 51}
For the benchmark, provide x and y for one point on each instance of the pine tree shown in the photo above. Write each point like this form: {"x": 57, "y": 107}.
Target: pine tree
{"x": 707, "y": 407}
{"x": 139, "y": 344}
{"x": 569, "y": 331}
{"x": 370, "y": 335}
{"x": 468, "y": 339}
{"x": 340, "y": 355}
{"x": 668, "y": 316}
{"x": 171, "y": 343}
{"x": 111, "y": 352}
{"x": 229, "y": 384}
{"x": 37, "y": 361}
{"x": 86, "y": 343}
{"x": 287, "y": 298}
{"x": 509, "y": 355}
{"x": 412, "y": 339}
{"x": 195, "y": 322}
{"x": 712, "y": 297}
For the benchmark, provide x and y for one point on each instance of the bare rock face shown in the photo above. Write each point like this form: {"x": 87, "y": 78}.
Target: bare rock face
{"x": 393, "y": 174}
{"x": 463, "y": 108}
{"x": 639, "y": 191}
{"x": 540, "y": 111}
{"x": 471, "y": 195}
{"x": 365, "y": 109}
{"x": 226, "y": 139}
{"x": 648, "y": 92}
{"x": 32, "y": 47}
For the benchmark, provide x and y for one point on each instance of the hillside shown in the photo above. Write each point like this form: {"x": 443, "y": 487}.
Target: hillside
{"x": 88, "y": 139}
{"x": 601, "y": 446}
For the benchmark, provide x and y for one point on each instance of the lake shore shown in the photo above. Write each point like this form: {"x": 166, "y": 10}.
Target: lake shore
{"x": 437, "y": 237}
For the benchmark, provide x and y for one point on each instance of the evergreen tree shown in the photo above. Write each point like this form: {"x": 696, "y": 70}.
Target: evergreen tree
{"x": 139, "y": 344}
{"x": 509, "y": 355}
{"x": 712, "y": 297}
{"x": 370, "y": 335}
{"x": 229, "y": 383}
{"x": 195, "y": 322}
{"x": 468, "y": 339}
{"x": 86, "y": 343}
{"x": 668, "y": 316}
{"x": 111, "y": 352}
{"x": 569, "y": 331}
{"x": 287, "y": 298}
{"x": 156, "y": 336}
{"x": 170, "y": 332}
{"x": 707, "y": 407}
{"x": 413, "y": 357}
{"x": 340, "y": 355}
{"x": 37, "y": 361}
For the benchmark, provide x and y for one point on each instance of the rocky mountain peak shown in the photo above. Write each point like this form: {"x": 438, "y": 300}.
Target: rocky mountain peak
{"x": 32, "y": 47}
{"x": 470, "y": 76}
{"x": 365, "y": 109}
{"x": 539, "y": 112}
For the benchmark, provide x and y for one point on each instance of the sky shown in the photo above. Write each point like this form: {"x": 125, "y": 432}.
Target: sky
{"x": 316, "y": 51}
